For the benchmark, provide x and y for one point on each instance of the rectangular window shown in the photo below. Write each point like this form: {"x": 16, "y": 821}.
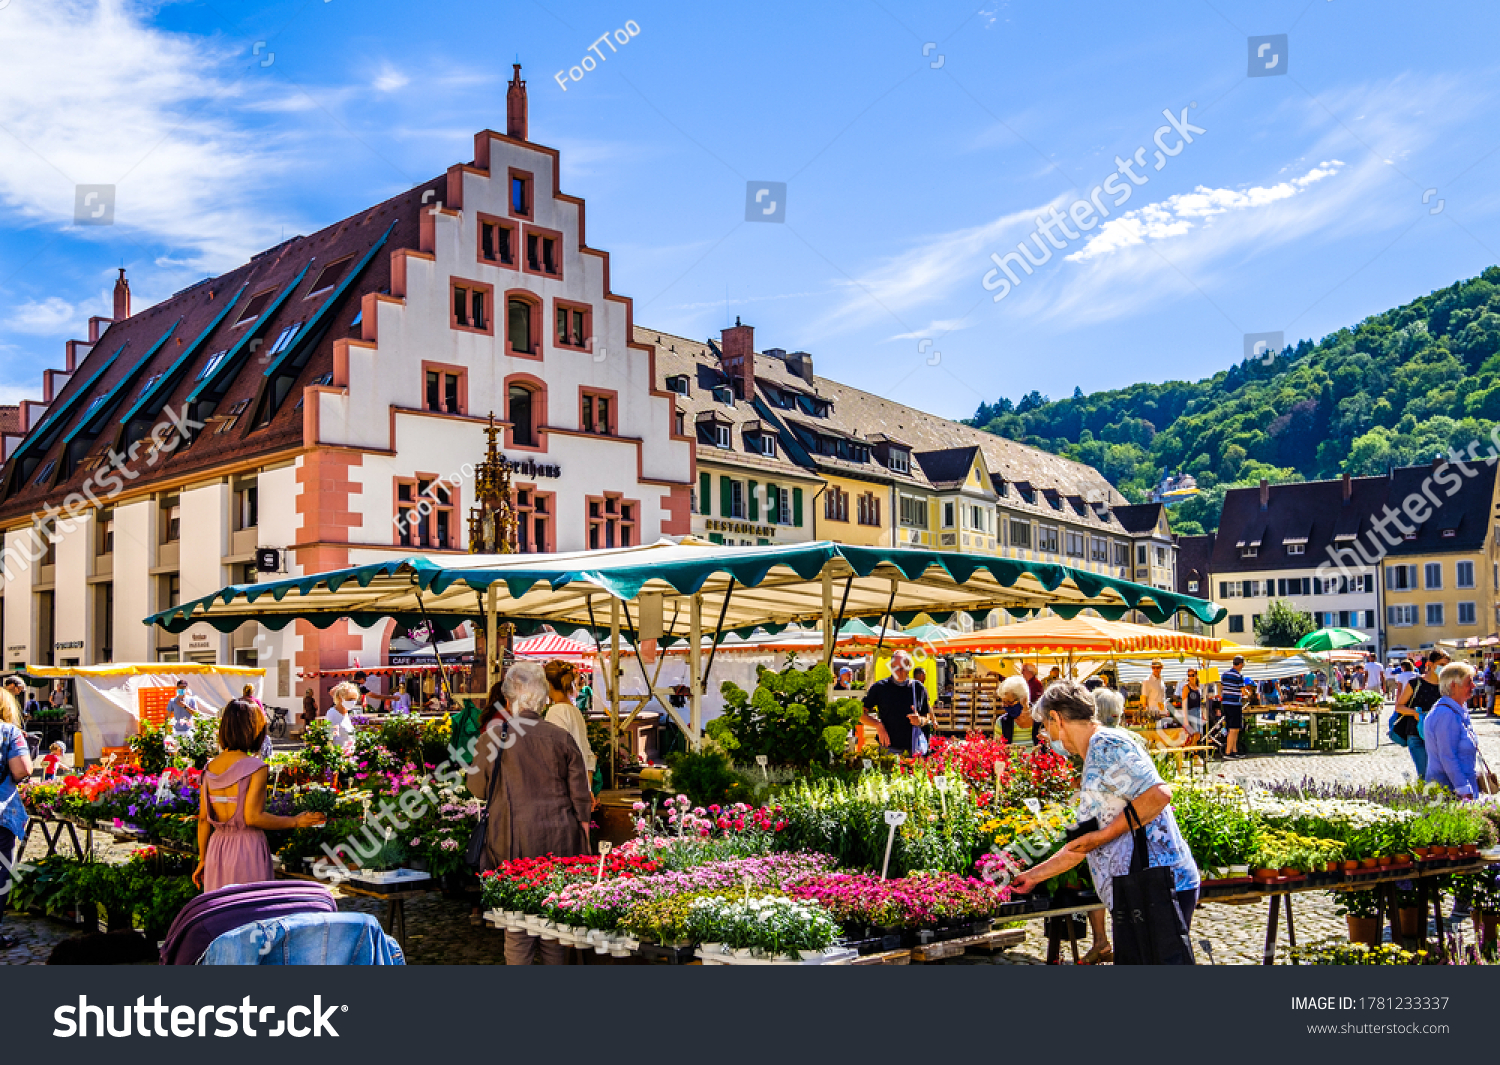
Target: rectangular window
{"x": 1020, "y": 533}
{"x": 914, "y": 512}
{"x": 1296, "y": 549}
{"x": 835, "y": 504}
{"x": 597, "y": 415}
{"x": 209, "y": 367}
{"x": 1432, "y": 575}
{"x": 1122, "y": 554}
{"x": 497, "y": 241}
{"x": 171, "y": 523}
{"x": 736, "y": 499}
{"x": 330, "y": 275}
{"x": 1401, "y": 578}
{"x": 471, "y": 307}
{"x": 612, "y": 521}
{"x": 1098, "y": 549}
{"x": 679, "y": 383}
{"x": 247, "y": 506}
{"x": 521, "y": 333}
{"x": 948, "y": 513}
{"x": 869, "y": 509}
{"x": 573, "y": 322}
{"x": 106, "y": 522}
{"x": 1466, "y": 614}
{"x": 254, "y": 308}
{"x": 1140, "y": 554}
{"x": 443, "y": 392}
{"x": 1074, "y": 544}
{"x": 1434, "y": 613}
{"x": 1464, "y": 574}
{"x": 520, "y": 193}
{"x": 781, "y": 507}
{"x": 1401, "y": 614}
{"x": 723, "y": 437}
{"x": 1046, "y": 539}
{"x": 533, "y": 520}
{"x": 900, "y": 460}
{"x": 1236, "y": 622}
{"x": 284, "y": 338}
{"x": 425, "y": 513}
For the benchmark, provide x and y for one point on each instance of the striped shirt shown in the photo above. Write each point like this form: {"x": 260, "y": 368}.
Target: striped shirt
{"x": 1231, "y": 687}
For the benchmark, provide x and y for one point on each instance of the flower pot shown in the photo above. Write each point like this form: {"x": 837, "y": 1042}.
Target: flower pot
{"x": 1289, "y": 871}
{"x": 1333, "y": 867}
{"x": 1363, "y": 929}
{"x": 1471, "y": 850}
{"x": 1403, "y": 859}
{"x": 1266, "y": 874}
{"x": 1351, "y": 864}
{"x": 1489, "y": 929}
{"x": 1386, "y": 861}
{"x": 1369, "y": 863}
{"x": 1239, "y": 870}
{"x": 1410, "y": 920}
{"x": 743, "y": 953}
{"x": 711, "y": 948}
{"x": 1437, "y": 852}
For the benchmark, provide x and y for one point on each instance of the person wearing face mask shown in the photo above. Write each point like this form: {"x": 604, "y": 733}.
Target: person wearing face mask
{"x": 343, "y": 704}
{"x": 183, "y": 708}
{"x": 900, "y": 706}
{"x": 1117, "y": 770}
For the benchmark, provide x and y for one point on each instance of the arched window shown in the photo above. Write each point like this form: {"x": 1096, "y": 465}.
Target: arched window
{"x": 522, "y": 410}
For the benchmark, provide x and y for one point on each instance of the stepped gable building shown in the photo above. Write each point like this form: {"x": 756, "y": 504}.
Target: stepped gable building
{"x": 322, "y": 406}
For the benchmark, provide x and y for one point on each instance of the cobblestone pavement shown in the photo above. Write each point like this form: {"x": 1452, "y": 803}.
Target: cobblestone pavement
{"x": 439, "y": 931}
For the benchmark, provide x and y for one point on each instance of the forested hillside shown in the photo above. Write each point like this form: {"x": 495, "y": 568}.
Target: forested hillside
{"x": 1395, "y": 389}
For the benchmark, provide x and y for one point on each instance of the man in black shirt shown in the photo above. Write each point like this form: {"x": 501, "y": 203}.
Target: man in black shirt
{"x": 899, "y": 704}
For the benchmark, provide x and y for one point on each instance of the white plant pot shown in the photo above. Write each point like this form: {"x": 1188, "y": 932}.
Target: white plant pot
{"x": 1239, "y": 870}
{"x": 710, "y": 948}
{"x": 742, "y": 954}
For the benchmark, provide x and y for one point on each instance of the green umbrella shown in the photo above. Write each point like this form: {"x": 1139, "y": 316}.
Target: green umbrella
{"x": 1331, "y": 639}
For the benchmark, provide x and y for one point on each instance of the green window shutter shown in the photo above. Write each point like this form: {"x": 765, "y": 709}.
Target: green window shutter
{"x": 773, "y": 504}
{"x": 752, "y": 504}
{"x": 705, "y": 493}
{"x": 763, "y": 542}
{"x": 726, "y": 497}
{"x": 715, "y": 538}
{"x": 797, "y": 507}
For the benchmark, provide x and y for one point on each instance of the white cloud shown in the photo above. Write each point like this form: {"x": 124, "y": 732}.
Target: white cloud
{"x": 1177, "y": 214}
{"x": 390, "y": 79}
{"x": 938, "y": 327}
{"x": 51, "y": 315}
{"x": 139, "y": 108}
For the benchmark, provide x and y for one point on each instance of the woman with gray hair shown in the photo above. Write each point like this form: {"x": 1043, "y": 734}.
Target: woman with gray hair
{"x": 1015, "y": 699}
{"x": 531, "y": 775}
{"x": 1110, "y": 704}
{"x": 1452, "y": 747}
{"x": 1117, "y": 772}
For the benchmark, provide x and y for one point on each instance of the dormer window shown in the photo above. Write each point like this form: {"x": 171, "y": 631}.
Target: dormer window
{"x": 1448, "y": 534}
{"x": 900, "y": 460}
{"x": 679, "y": 383}
{"x": 724, "y": 394}
{"x": 1249, "y": 551}
{"x": 722, "y": 437}
{"x": 765, "y": 444}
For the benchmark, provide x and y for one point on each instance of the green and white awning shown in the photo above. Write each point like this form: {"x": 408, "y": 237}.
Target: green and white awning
{"x": 767, "y": 587}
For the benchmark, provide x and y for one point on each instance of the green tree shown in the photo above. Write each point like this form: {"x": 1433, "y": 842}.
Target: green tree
{"x": 1282, "y": 625}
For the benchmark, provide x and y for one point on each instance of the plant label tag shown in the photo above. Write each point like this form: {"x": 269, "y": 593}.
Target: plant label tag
{"x": 895, "y": 818}
{"x": 164, "y": 786}
{"x": 605, "y": 846}
{"x": 761, "y": 760}
{"x": 867, "y": 763}
{"x": 747, "y": 889}
{"x": 1034, "y": 805}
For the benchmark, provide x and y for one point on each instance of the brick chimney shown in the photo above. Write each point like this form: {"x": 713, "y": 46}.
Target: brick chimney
{"x": 1348, "y": 487}
{"x": 122, "y": 297}
{"x": 738, "y": 362}
{"x": 1265, "y": 494}
{"x": 515, "y": 107}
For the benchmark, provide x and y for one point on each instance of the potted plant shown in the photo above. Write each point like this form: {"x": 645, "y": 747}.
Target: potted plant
{"x": 1361, "y": 913}
{"x": 384, "y": 866}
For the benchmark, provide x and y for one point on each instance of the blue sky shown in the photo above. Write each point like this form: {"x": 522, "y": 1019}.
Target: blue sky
{"x": 228, "y": 125}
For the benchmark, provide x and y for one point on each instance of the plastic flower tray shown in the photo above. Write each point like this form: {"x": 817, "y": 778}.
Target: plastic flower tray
{"x": 830, "y": 956}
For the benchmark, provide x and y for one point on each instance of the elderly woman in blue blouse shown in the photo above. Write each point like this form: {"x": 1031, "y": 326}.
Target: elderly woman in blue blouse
{"x": 1452, "y": 748}
{"x": 1116, "y": 771}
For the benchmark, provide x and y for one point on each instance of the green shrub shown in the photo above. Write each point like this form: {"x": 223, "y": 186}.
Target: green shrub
{"x": 788, "y": 718}
{"x": 707, "y": 778}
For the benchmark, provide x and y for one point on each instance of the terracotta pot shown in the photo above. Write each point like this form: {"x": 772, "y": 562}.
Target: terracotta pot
{"x": 1333, "y": 867}
{"x": 1288, "y": 871}
{"x": 1403, "y": 859}
{"x": 1351, "y": 864}
{"x": 1437, "y": 852}
{"x": 1386, "y": 861}
{"x": 1369, "y": 863}
{"x": 1363, "y": 929}
{"x": 1420, "y": 852}
{"x": 1266, "y": 874}
{"x": 1410, "y": 920}
{"x": 1471, "y": 849}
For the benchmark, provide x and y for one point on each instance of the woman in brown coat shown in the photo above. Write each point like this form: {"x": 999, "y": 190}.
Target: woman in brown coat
{"x": 532, "y": 776}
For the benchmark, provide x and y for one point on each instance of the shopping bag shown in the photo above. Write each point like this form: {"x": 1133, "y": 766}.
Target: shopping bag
{"x": 919, "y": 744}
{"x": 1148, "y": 926}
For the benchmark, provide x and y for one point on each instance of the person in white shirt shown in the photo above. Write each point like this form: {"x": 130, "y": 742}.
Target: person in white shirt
{"x": 562, "y": 679}
{"x": 1374, "y": 676}
{"x": 1154, "y": 691}
{"x": 184, "y": 709}
{"x": 344, "y": 704}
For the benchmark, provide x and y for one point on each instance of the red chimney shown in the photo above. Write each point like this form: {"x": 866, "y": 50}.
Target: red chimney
{"x": 515, "y": 107}
{"x": 122, "y": 297}
{"x": 1265, "y": 494}
{"x": 739, "y": 357}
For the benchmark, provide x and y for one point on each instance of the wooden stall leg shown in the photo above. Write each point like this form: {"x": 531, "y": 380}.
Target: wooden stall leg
{"x": 1054, "y": 942}
{"x": 1072, "y": 937}
{"x": 1270, "y": 955}
{"x": 1291, "y": 930}
{"x": 395, "y": 918}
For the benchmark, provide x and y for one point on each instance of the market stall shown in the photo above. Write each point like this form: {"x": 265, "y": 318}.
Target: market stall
{"x": 112, "y": 700}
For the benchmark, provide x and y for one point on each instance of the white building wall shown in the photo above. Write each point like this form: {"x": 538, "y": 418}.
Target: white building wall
{"x": 20, "y": 575}
{"x": 71, "y": 591}
{"x": 135, "y": 554}
{"x": 205, "y": 542}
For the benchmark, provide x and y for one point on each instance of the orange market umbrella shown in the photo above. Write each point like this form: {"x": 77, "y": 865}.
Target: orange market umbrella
{"x": 1079, "y": 636}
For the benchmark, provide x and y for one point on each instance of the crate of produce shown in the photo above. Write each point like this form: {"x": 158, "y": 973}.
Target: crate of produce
{"x": 1333, "y": 732}
{"x": 1262, "y": 740}
{"x": 1296, "y": 734}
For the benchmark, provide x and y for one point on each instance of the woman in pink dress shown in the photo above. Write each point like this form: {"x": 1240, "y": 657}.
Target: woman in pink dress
{"x": 232, "y": 818}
